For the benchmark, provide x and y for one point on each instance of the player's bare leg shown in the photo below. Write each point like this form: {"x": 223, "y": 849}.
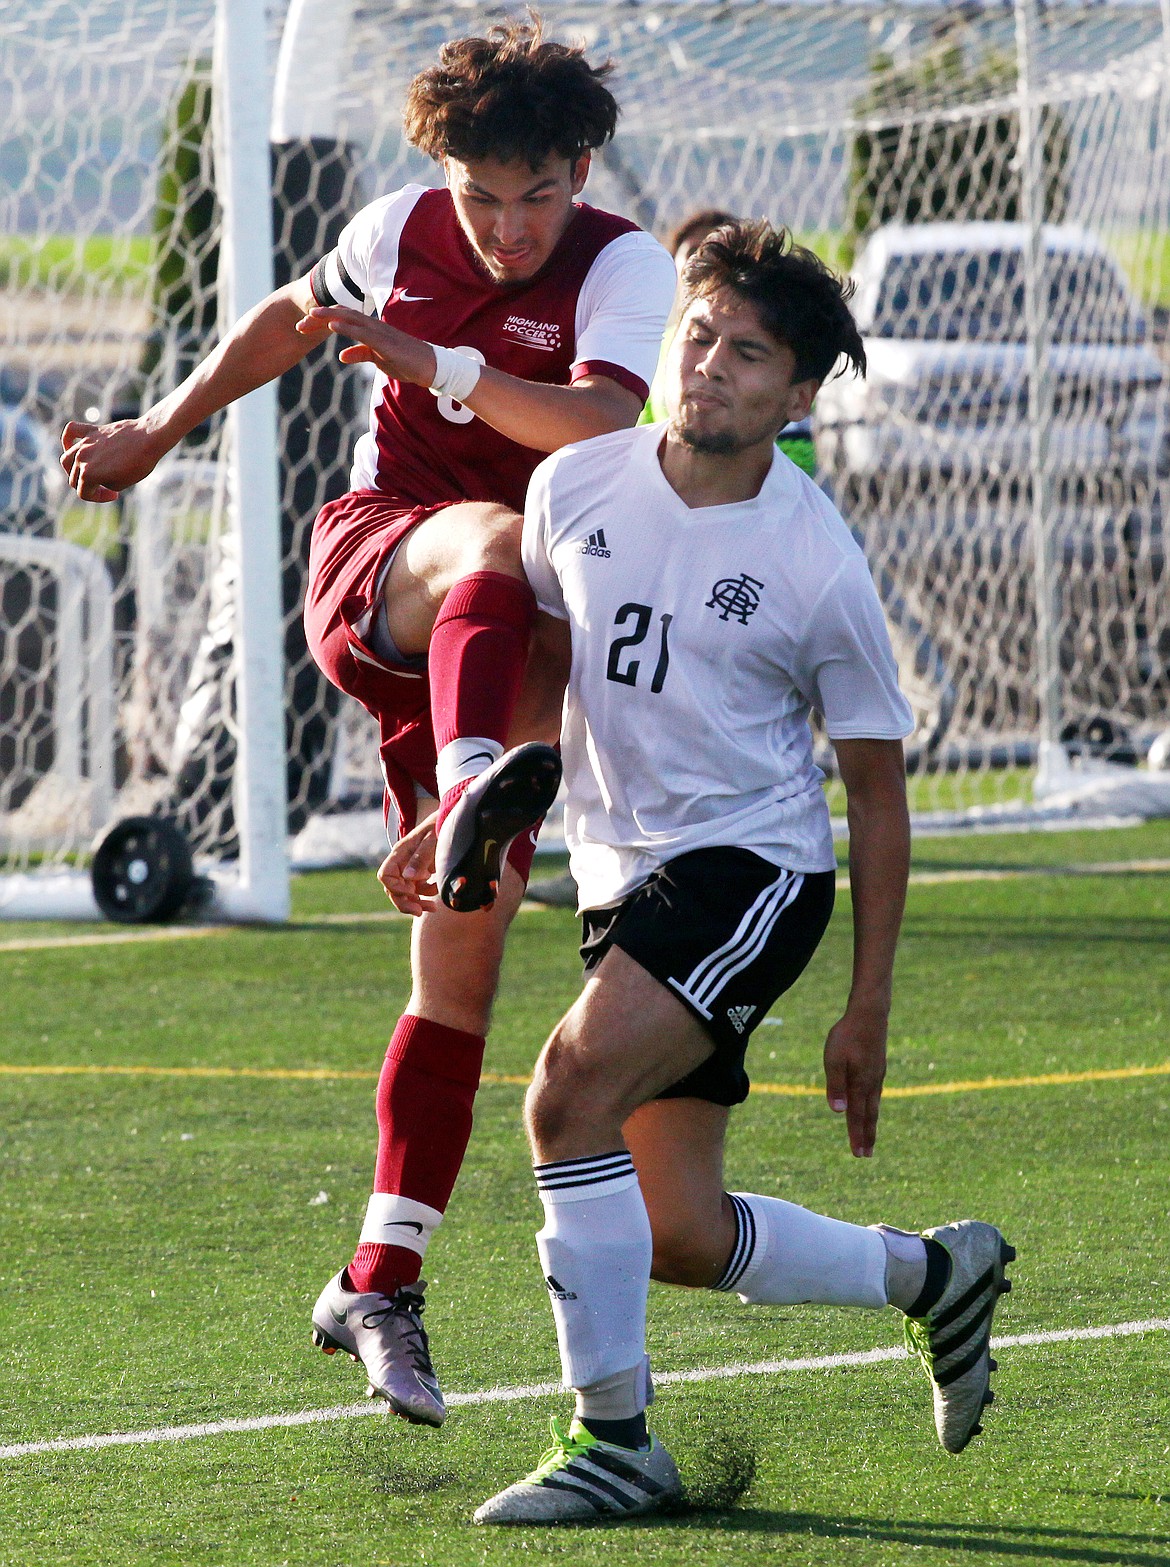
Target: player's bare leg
{"x": 440, "y": 552}
{"x": 677, "y": 1149}
{"x": 610, "y": 1222}
{"x": 455, "y": 965}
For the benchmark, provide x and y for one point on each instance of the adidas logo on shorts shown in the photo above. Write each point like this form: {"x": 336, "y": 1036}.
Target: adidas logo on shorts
{"x": 595, "y": 545}
{"x": 738, "y": 1017}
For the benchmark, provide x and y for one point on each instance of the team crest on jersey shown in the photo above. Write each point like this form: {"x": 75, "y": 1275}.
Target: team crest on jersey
{"x": 738, "y": 596}
{"x": 545, "y": 335}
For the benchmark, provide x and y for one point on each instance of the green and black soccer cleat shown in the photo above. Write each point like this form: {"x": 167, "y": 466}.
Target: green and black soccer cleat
{"x": 953, "y": 1340}
{"x": 583, "y": 1480}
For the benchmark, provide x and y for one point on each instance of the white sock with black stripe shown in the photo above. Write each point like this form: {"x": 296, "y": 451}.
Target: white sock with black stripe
{"x": 744, "y": 1248}
{"x": 595, "y": 1251}
{"x": 787, "y": 1256}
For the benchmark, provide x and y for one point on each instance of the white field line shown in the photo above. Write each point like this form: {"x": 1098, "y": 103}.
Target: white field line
{"x": 510, "y": 1395}
{"x": 113, "y": 938}
{"x": 387, "y": 916}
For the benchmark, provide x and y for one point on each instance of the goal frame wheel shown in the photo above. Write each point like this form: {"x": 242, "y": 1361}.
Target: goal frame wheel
{"x": 142, "y": 871}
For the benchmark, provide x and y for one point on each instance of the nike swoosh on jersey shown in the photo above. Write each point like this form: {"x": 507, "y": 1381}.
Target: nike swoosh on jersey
{"x": 414, "y": 299}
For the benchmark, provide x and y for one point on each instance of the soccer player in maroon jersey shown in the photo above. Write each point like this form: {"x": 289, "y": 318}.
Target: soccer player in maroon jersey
{"x": 504, "y": 319}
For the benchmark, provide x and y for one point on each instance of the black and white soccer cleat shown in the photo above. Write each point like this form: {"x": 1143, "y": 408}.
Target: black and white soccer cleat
{"x": 508, "y": 798}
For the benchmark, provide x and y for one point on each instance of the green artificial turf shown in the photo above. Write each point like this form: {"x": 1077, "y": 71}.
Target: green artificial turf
{"x": 162, "y": 1239}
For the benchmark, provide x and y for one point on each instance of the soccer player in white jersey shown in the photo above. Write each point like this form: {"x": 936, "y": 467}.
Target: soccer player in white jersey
{"x": 713, "y": 596}
{"x": 503, "y": 317}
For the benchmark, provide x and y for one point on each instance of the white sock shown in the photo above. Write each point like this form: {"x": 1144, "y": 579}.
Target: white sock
{"x": 595, "y": 1251}
{"x": 465, "y": 757}
{"x": 619, "y": 1397}
{"x": 399, "y": 1221}
{"x": 788, "y": 1256}
{"x": 905, "y": 1265}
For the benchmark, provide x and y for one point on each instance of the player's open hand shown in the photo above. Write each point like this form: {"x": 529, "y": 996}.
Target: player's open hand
{"x": 855, "y": 1067}
{"x": 102, "y": 460}
{"x": 408, "y": 871}
{"x": 395, "y": 353}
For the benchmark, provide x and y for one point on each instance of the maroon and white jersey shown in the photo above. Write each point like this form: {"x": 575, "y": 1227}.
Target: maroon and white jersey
{"x": 598, "y": 306}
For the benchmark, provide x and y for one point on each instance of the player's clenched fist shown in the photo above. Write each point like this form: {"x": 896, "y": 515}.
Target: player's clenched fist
{"x": 102, "y": 460}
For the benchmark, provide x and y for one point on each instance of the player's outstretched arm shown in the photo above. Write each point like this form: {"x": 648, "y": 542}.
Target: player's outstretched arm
{"x": 102, "y": 460}
{"x": 874, "y": 775}
{"x": 543, "y": 418}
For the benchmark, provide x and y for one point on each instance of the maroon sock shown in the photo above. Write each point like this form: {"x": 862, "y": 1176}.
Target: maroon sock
{"x": 425, "y": 1095}
{"x": 477, "y": 654}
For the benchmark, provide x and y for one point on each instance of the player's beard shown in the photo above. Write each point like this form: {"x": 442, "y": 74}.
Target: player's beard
{"x": 713, "y": 443}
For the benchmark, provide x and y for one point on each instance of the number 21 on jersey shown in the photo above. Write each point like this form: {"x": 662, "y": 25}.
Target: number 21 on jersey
{"x": 624, "y": 669}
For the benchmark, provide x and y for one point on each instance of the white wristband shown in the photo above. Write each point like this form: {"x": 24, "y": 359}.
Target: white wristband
{"x": 456, "y": 374}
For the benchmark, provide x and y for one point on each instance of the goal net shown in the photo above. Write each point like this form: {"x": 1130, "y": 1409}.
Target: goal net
{"x": 997, "y": 182}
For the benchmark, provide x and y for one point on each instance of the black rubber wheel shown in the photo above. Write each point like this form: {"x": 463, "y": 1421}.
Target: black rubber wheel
{"x": 1101, "y": 738}
{"x": 142, "y": 871}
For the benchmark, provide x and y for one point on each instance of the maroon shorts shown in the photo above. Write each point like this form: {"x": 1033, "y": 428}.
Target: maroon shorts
{"x": 353, "y": 538}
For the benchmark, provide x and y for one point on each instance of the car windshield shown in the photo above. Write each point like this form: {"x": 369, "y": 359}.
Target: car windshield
{"x": 978, "y": 296}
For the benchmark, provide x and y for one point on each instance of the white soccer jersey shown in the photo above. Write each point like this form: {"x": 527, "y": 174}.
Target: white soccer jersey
{"x": 701, "y": 640}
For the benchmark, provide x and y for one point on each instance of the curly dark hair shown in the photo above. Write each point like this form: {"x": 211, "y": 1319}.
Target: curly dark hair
{"x": 512, "y": 95}
{"x": 802, "y": 302}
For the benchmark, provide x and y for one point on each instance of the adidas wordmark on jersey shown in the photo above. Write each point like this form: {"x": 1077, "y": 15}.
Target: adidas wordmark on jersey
{"x": 701, "y": 640}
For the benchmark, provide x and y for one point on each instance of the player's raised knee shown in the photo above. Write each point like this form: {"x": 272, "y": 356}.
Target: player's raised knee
{"x": 486, "y": 538}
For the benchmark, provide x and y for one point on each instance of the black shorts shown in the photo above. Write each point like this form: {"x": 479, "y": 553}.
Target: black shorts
{"x": 727, "y": 932}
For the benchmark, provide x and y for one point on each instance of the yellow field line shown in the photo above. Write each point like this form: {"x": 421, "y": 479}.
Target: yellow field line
{"x": 273, "y": 1074}
{"x": 981, "y": 1084}
{"x": 790, "y": 1090}
{"x": 1019, "y": 872}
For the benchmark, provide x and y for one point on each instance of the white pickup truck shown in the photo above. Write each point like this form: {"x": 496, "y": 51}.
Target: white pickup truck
{"x": 943, "y": 410}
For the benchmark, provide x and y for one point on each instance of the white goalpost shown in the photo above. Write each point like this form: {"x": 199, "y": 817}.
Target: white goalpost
{"x": 997, "y": 181}
{"x": 240, "y": 74}
{"x": 76, "y": 796}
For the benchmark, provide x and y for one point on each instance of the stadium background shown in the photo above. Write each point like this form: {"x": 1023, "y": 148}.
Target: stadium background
{"x": 832, "y": 119}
